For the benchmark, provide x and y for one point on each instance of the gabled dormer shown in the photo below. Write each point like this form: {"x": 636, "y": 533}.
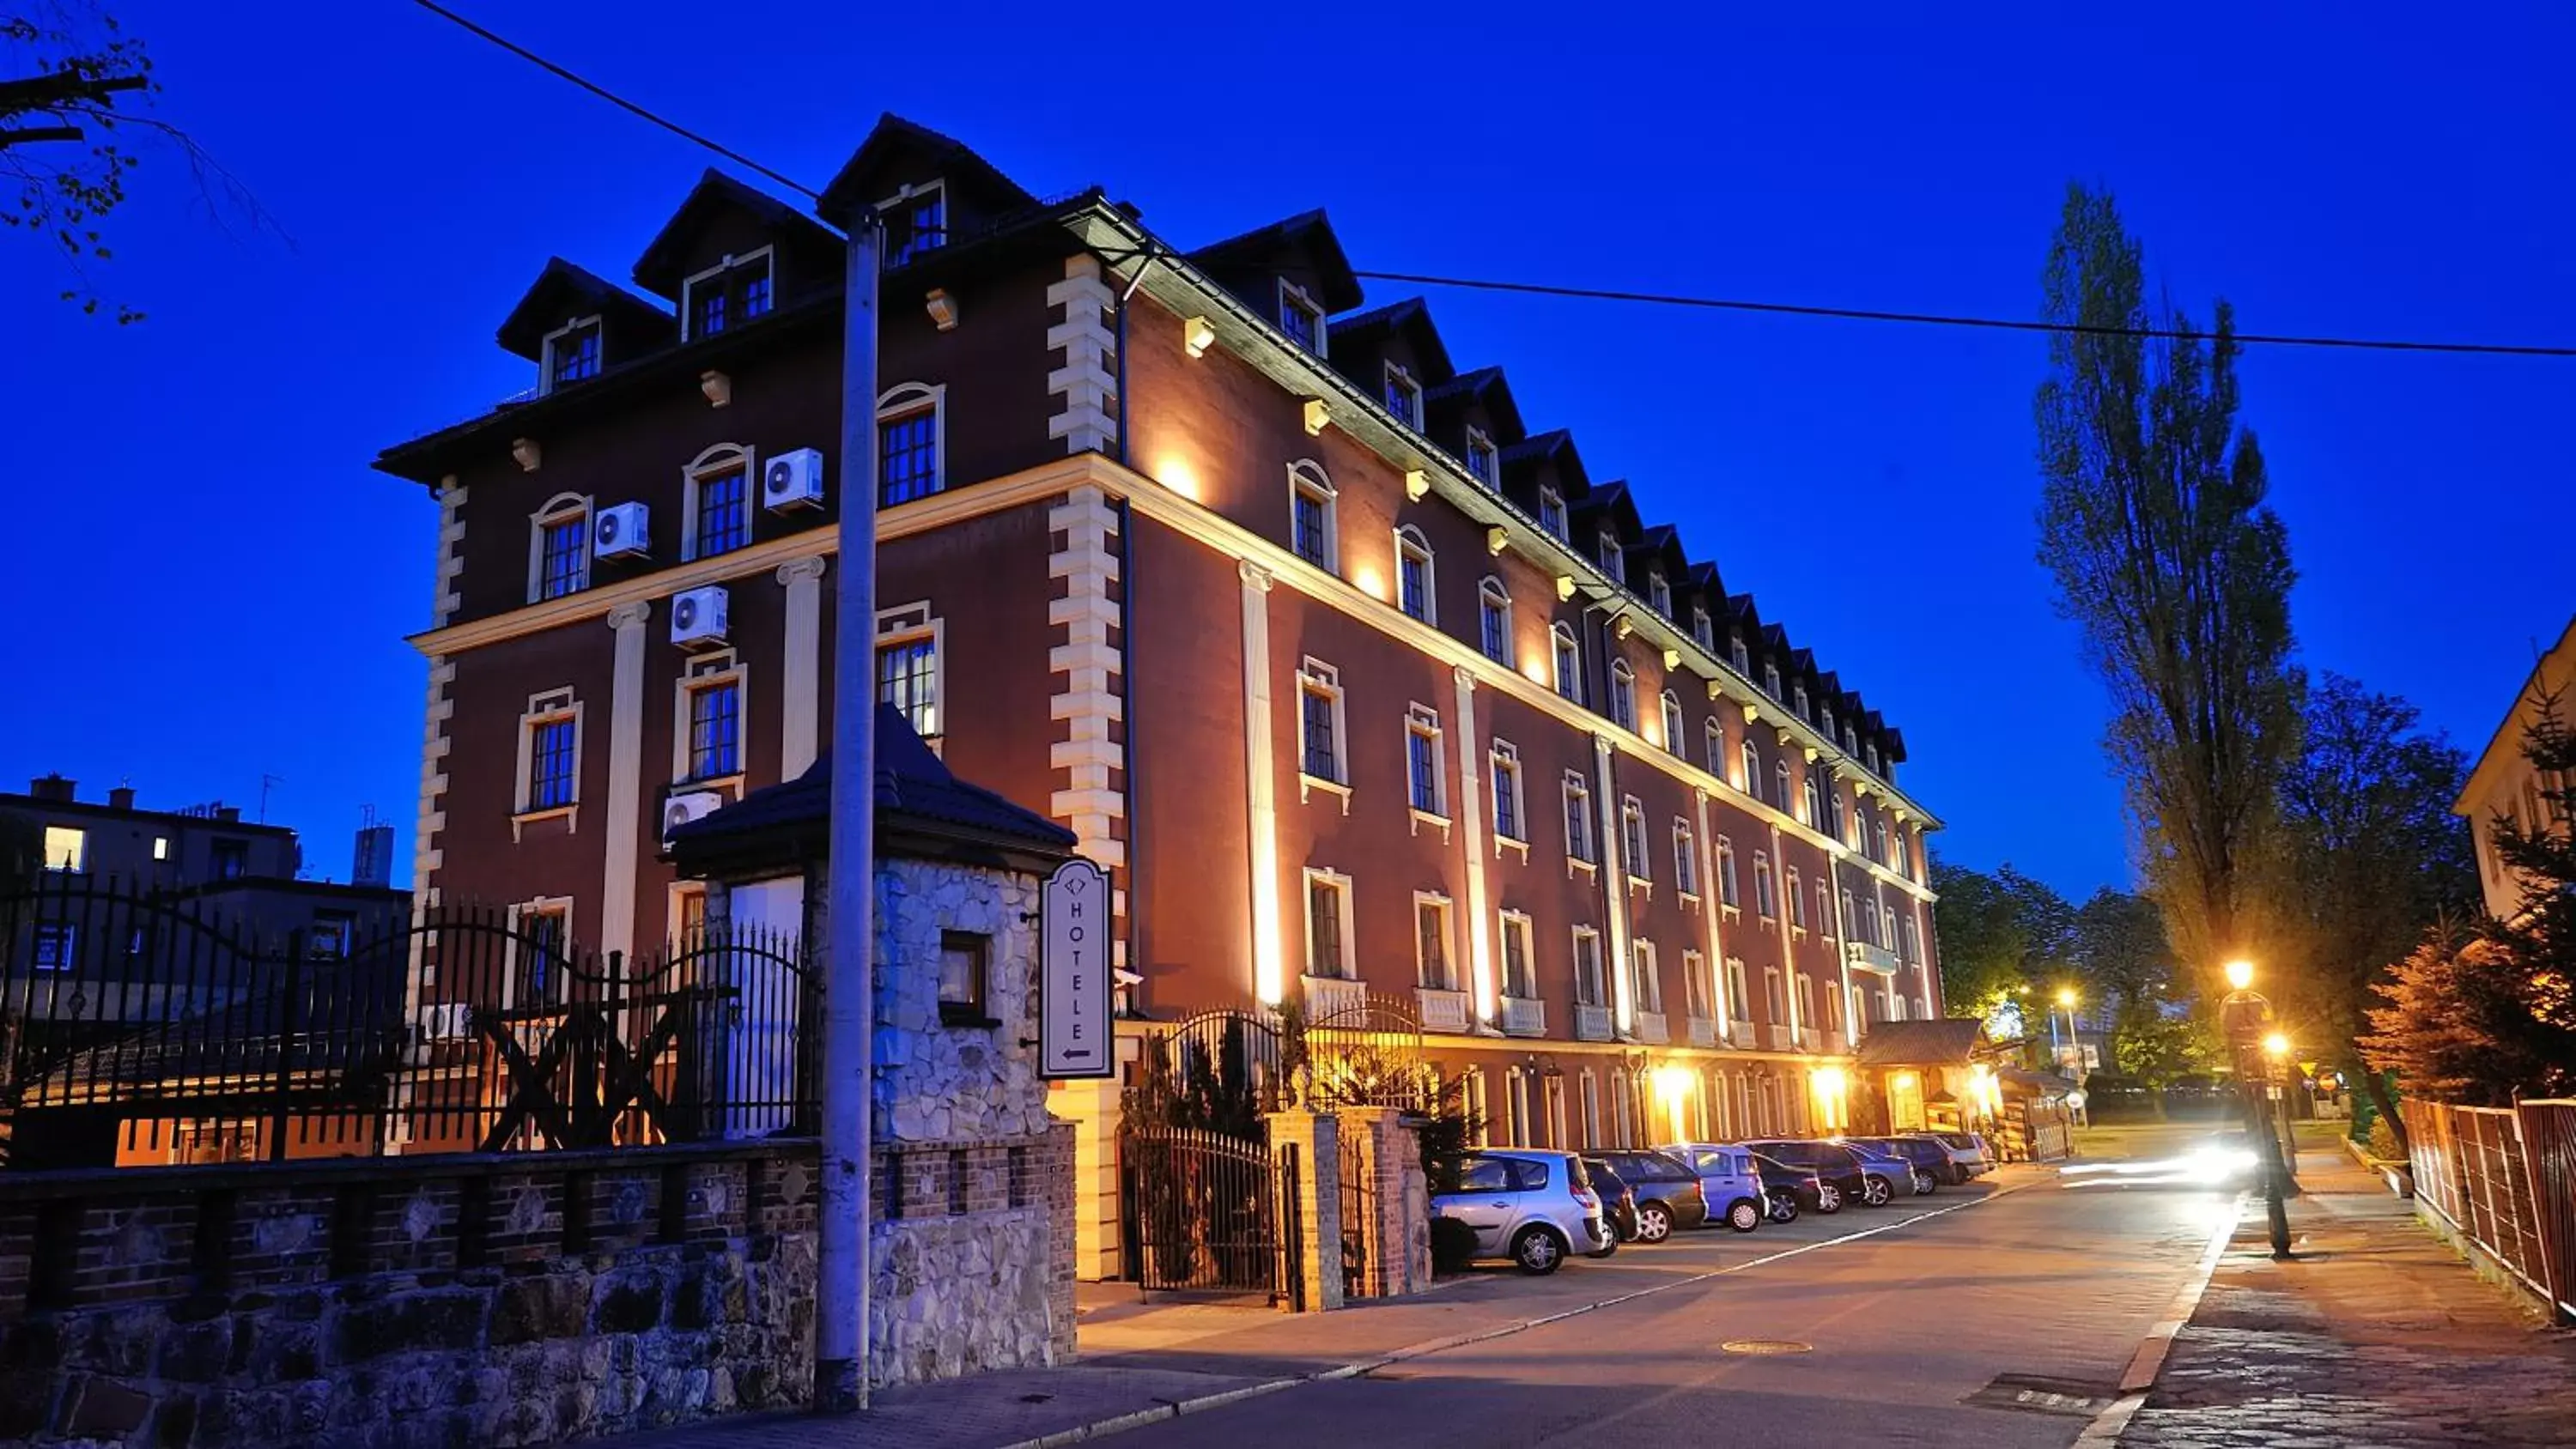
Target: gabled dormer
{"x": 1473, "y": 416}
{"x": 574, "y": 325}
{"x": 1544, "y": 476}
{"x": 1606, "y": 527}
{"x": 1395, "y": 354}
{"x": 1662, "y": 572}
{"x": 931, "y": 191}
{"x": 732, "y": 255}
{"x": 1711, "y": 618}
{"x": 1291, "y": 272}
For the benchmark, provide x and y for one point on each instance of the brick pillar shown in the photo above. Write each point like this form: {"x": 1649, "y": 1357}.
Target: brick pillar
{"x": 1317, "y": 1138}
{"x": 1389, "y": 1151}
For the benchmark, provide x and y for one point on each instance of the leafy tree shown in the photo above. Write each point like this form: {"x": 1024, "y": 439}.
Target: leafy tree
{"x": 2152, "y": 520}
{"x": 2156, "y": 1045}
{"x": 2459, "y": 1024}
{"x": 2120, "y": 950}
{"x": 1982, "y": 939}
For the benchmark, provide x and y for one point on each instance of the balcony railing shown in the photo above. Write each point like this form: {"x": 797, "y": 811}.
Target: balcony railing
{"x": 1703, "y": 1031}
{"x": 1524, "y": 1016}
{"x": 1328, "y": 995}
{"x": 1591, "y": 1023}
{"x": 1810, "y": 1039}
{"x": 1867, "y": 957}
{"x": 1442, "y": 1009}
{"x": 1649, "y": 1028}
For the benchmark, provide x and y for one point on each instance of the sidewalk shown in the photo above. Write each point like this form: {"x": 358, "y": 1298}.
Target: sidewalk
{"x": 2379, "y": 1334}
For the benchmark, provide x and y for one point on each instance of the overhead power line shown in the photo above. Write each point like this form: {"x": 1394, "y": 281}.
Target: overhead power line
{"x": 1603, "y": 294}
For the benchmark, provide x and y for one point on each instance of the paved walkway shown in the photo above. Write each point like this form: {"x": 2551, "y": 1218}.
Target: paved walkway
{"x": 2378, "y": 1335}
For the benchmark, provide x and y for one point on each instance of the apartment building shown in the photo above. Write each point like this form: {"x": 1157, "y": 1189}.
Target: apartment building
{"x": 2503, "y": 785}
{"x": 1353, "y": 681}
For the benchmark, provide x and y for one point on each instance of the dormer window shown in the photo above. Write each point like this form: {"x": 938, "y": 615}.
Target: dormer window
{"x": 727, "y": 295}
{"x": 1829, "y": 721}
{"x": 1300, "y": 317}
{"x": 1735, "y": 649}
{"x": 1703, "y": 628}
{"x": 1659, "y": 593}
{"x": 1873, "y": 759}
{"x": 1798, "y": 701}
{"x": 572, "y": 353}
{"x": 1770, "y": 679}
{"x": 1611, "y": 552}
{"x": 1482, "y": 460}
{"x": 1851, "y": 739}
{"x": 1551, "y": 512}
{"x": 916, "y": 221}
{"x": 1403, "y": 397}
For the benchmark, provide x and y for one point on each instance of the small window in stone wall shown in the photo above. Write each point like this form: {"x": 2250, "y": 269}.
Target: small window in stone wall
{"x": 963, "y": 961}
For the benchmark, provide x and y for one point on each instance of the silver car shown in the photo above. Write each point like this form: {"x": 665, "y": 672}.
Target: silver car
{"x": 1969, "y": 1155}
{"x": 1530, "y": 1206}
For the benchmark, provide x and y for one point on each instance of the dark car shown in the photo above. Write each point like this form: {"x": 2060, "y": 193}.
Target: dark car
{"x": 1618, "y": 1205}
{"x": 1897, "y": 1170}
{"x": 1788, "y": 1186}
{"x": 1930, "y": 1158}
{"x": 1834, "y": 1166}
{"x": 1668, "y": 1192}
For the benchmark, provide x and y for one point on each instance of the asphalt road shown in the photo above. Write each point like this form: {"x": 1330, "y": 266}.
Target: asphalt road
{"x": 1890, "y": 1327}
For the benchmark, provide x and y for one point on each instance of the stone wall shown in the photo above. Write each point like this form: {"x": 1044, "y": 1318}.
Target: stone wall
{"x": 972, "y": 1250}
{"x": 938, "y": 1080}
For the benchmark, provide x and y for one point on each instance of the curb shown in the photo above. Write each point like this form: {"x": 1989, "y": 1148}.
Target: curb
{"x": 1176, "y": 1408}
{"x": 2149, "y": 1360}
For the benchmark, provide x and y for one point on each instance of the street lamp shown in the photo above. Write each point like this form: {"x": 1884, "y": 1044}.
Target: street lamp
{"x": 2246, "y": 1014}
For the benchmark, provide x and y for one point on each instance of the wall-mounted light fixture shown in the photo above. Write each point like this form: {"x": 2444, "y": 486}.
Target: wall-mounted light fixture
{"x": 1672, "y": 659}
{"x": 1316, "y": 416}
{"x": 1495, "y": 540}
{"x": 943, "y": 309}
{"x": 528, "y": 454}
{"x": 717, "y": 386}
{"x": 1416, "y": 484}
{"x": 1564, "y": 588}
{"x": 1197, "y": 336}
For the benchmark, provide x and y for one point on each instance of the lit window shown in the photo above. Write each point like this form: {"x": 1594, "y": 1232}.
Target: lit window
{"x": 1482, "y": 459}
{"x": 1569, "y": 663}
{"x": 1673, "y": 732}
{"x": 1780, "y": 786}
{"x": 1612, "y": 553}
{"x": 572, "y": 355}
{"x": 1518, "y": 979}
{"x": 1632, "y": 840}
{"x": 1425, "y": 785}
{"x": 1727, "y": 894}
{"x": 160, "y": 847}
{"x": 1659, "y": 593}
{"x": 1403, "y": 397}
{"x": 1494, "y": 621}
{"x": 1328, "y": 909}
{"x": 1319, "y": 715}
{"x": 1300, "y": 318}
{"x": 1714, "y": 739}
{"x": 1685, "y": 859}
{"x": 1587, "y": 967}
{"x": 1646, "y": 985}
{"x": 559, "y": 548}
{"x": 1578, "y": 821}
{"x": 1413, "y": 574}
{"x": 908, "y": 679}
{"x": 1813, "y": 811}
{"x": 66, "y": 848}
{"x": 1765, "y": 896}
{"x": 916, "y": 223}
{"x": 1433, "y": 964}
{"x": 727, "y": 296}
{"x": 715, "y": 730}
{"x": 1551, "y": 511}
{"x": 1310, "y": 516}
{"x": 1623, "y": 695}
{"x": 1508, "y": 808}
{"x": 56, "y": 946}
{"x": 964, "y": 959}
{"x": 911, "y": 436}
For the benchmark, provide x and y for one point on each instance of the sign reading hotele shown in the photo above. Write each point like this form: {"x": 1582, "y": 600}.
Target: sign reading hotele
{"x": 1074, "y": 1034}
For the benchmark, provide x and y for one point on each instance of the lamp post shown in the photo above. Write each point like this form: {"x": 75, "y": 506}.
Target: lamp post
{"x": 2246, "y": 1014}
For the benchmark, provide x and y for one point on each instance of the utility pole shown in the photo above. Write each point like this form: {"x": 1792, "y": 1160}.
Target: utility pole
{"x": 849, "y": 990}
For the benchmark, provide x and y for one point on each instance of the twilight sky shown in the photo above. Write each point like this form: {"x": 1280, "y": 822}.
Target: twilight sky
{"x": 212, "y": 584}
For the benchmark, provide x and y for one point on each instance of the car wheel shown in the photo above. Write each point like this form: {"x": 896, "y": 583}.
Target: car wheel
{"x": 1784, "y": 1208}
{"x": 1743, "y": 1216}
{"x": 1924, "y": 1183}
{"x": 1654, "y": 1222}
{"x": 1829, "y": 1199}
{"x": 1538, "y": 1251}
{"x": 1874, "y": 1191}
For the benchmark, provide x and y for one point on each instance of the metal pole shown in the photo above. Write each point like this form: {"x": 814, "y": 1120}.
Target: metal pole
{"x": 848, "y": 1068}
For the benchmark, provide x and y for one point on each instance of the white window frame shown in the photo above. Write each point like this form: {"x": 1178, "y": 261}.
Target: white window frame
{"x": 681, "y": 890}
{"x": 1599, "y": 979}
{"x": 1766, "y": 888}
{"x": 1713, "y": 738}
{"x": 1609, "y": 551}
{"x": 546, "y": 349}
{"x": 1739, "y": 991}
{"x": 1730, "y": 888}
{"x": 1659, "y": 592}
{"x": 1551, "y": 515}
{"x": 947, "y": 229}
{"x": 1623, "y": 695}
{"x": 1782, "y": 797}
{"x": 546, "y": 706}
{"x": 1825, "y": 717}
{"x": 1493, "y": 599}
{"x": 904, "y": 400}
{"x": 1810, "y": 801}
{"x": 717, "y": 459}
{"x": 1676, "y": 730}
{"x": 689, "y": 285}
{"x": 1685, "y": 860}
{"x": 1798, "y": 699}
{"x": 1565, "y": 661}
{"x": 1872, "y": 757}
{"x": 1316, "y": 677}
{"x": 1792, "y": 887}
{"x": 1517, "y": 923}
{"x": 1449, "y": 977}
{"x": 707, "y": 671}
{"x": 1292, "y": 295}
{"x": 1344, "y": 969}
{"x": 1645, "y": 978}
{"x": 1422, "y": 722}
{"x": 1770, "y": 679}
{"x": 1750, "y": 757}
{"x": 1578, "y": 789}
{"x": 1307, "y": 478}
{"x": 910, "y": 624}
{"x": 1410, "y": 544}
{"x": 1504, "y": 758}
{"x": 555, "y": 510}
{"x": 1635, "y": 856}
{"x": 1696, "y": 982}
{"x": 1703, "y": 628}
{"x": 1478, "y": 441}
{"x": 515, "y": 922}
{"x": 1399, "y": 378}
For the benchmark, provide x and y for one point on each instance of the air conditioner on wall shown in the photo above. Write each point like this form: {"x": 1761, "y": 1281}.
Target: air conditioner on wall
{"x": 622, "y": 530}
{"x": 793, "y": 480}
{"x": 698, "y": 616}
{"x": 679, "y": 810}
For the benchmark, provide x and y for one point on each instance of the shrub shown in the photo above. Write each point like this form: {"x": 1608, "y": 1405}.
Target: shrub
{"x": 1453, "y": 1245}
{"x": 2383, "y": 1141}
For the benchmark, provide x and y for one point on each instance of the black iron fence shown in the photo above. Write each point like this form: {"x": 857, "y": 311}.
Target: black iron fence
{"x": 143, "y": 1027}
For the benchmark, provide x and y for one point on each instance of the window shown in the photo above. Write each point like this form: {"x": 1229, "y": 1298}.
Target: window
{"x": 1300, "y": 318}
{"x": 1328, "y": 918}
{"x": 1771, "y": 679}
{"x": 1591, "y": 1109}
{"x": 1588, "y": 985}
{"x": 1873, "y": 757}
{"x": 1824, "y": 906}
{"x": 1413, "y": 574}
{"x": 1623, "y": 695}
{"x": 1750, "y": 780}
{"x": 1319, "y": 722}
{"x": 1880, "y": 855}
{"x": 1736, "y": 651}
{"x": 1908, "y": 944}
{"x": 916, "y": 222}
{"x": 1739, "y": 999}
{"x": 232, "y": 859}
{"x": 1869, "y": 921}
{"x": 1765, "y": 898}
{"x": 1695, "y": 1000}
{"x": 559, "y": 548}
{"x": 1715, "y": 742}
{"x": 1517, "y": 978}
{"x": 1797, "y": 901}
{"x": 1481, "y": 457}
{"x": 1685, "y": 859}
{"x": 909, "y": 673}
{"x": 1611, "y": 553}
{"x": 572, "y": 354}
{"x": 1578, "y": 820}
{"x": 1569, "y": 663}
{"x": 1423, "y": 775}
{"x": 1827, "y": 721}
{"x": 329, "y": 935}
{"x": 964, "y": 962}
{"x": 688, "y": 914}
{"x": 912, "y": 429}
{"x": 1850, "y": 917}
{"x": 1510, "y": 811}
{"x": 56, "y": 946}
{"x": 1494, "y": 621}
{"x": 1798, "y": 700}
{"x": 727, "y": 295}
{"x": 1772, "y": 1000}
{"x": 66, "y": 848}
{"x": 1310, "y": 515}
{"x": 1780, "y": 785}
{"x": 1659, "y": 593}
{"x": 1645, "y": 983}
{"x": 715, "y": 729}
{"x": 1727, "y": 894}
{"x": 1632, "y": 840}
{"x": 1551, "y": 511}
{"x": 1434, "y": 967}
{"x": 1673, "y": 731}
{"x": 718, "y": 485}
{"x": 541, "y": 933}
{"x": 1896, "y": 854}
{"x": 160, "y": 847}
{"x": 1703, "y": 628}
{"x": 1404, "y": 397}
{"x": 550, "y": 769}
{"x": 1851, "y": 739}
{"x": 1814, "y": 810}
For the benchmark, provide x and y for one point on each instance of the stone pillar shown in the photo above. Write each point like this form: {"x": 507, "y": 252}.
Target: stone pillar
{"x": 1389, "y": 1153}
{"x": 1317, "y": 1138}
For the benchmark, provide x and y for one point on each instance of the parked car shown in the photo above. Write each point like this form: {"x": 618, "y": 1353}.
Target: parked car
{"x": 1730, "y": 1182}
{"x": 1834, "y": 1165}
{"x": 1618, "y": 1205}
{"x": 1897, "y": 1169}
{"x": 1527, "y": 1205}
{"x": 1806, "y": 1186}
{"x": 1668, "y": 1192}
{"x": 1969, "y": 1155}
{"x": 1931, "y": 1160}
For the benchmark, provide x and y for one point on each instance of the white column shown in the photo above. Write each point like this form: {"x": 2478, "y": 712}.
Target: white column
{"x": 1614, "y": 881}
{"x": 1705, "y": 845}
{"x": 1261, "y": 811}
{"x": 801, "y": 673}
{"x": 1780, "y": 920}
{"x": 625, "y": 779}
{"x": 1471, "y": 831}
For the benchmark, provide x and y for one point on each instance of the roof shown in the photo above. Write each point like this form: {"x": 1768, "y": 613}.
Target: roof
{"x": 658, "y": 269}
{"x": 1941, "y": 1041}
{"x": 1330, "y": 281}
{"x": 1486, "y": 386}
{"x": 917, "y": 798}
{"x": 1412, "y": 316}
{"x": 893, "y": 136}
{"x": 564, "y": 291}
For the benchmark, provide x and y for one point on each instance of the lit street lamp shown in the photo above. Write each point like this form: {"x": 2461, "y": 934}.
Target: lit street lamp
{"x": 2247, "y": 1015}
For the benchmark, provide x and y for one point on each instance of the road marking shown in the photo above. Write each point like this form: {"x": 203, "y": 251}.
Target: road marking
{"x": 2149, "y": 1360}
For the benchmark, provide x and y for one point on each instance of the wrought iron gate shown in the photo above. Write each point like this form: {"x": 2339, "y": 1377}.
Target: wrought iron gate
{"x": 1207, "y": 1212}
{"x": 1361, "y": 1238}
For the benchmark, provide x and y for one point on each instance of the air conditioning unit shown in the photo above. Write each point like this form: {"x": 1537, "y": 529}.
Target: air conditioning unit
{"x": 622, "y": 530}
{"x": 793, "y": 480}
{"x": 680, "y": 809}
{"x": 698, "y": 616}
{"x": 446, "y": 1021}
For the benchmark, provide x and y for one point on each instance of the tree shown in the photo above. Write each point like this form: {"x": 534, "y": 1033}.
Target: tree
{"x": 2153, "y": 522}
{"x": 2121, "y": 952}
{"x": 2458, "y": 1025}
{"x": 2156, "y": 1044}
{"x": 1999, "y": 933}
{"x": 2539, "y": 852}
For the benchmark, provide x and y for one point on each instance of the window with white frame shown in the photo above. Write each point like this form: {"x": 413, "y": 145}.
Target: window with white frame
{"x": 1851, "y": 917}
{"x": 1685, "y": 858}
{"x": 1659, "y": 592}
{"x": 1907, "y": 941}
{"x": 559, "y": 547}
{"x": 728, "y": 294}
{"x": 1873, "y": 757}
{"x": 1727, "y": 893}
{"x": 1568, "y": 660}
{"x": 711, "y": 718}
{"x": 1300, "y": 317}
{"x": 1426, "y": 783}
{"x": 911, "y": 668}
{"x": 1579, "y": 844}
{"x": 1494, "y": 621}
{"x": 1645, "y": 983}
{"x": 1703, "y": 628}
{"x": 1797, "y": 900}
{"x": 1435, "y": 965}
{"x": 1623, "y": 695}
{"x": 1771, "y": 679}
{"x": 1589, "y": 988}
{"x": 1520, "y": 980}
{"x": 1772, "y": 999}
{"x": 916, "y": 222}
{"x": 1591, "y": 1109}
{"x": 1320, "y": 729}
{"x": 1695, "y": 989}
{"x": 1674, "y": 734}
{"x": 1413, "y": 592}
{"x": 1736, "y": 651}
{"x": 1713, "y": 739}
{"x": 1798, "y": 700}
{"x": 1897, "y": 854}
{"x": 1780, "y": 785}
{"x": 1612, "y": 553}
{"x": 1749, "y": 779}
{"x": 1812, "y": 809}
{"x": 1551, "y": 512}
{"x": 1766, "y": 898}
{"x": 1311, "y": 530}
{"x": 1403, "y": 396}
{"x": 1869, "y": 921}
{"x": 1483, "y": 459}
{"x": 537, "y": 952}
{"x": 571, "y": 354}
{"x": 1739, "y": 1000}
{"x": 715, "y": 513}
{"x": 912, "y": 442}
{"x": 549, "y": 753}
{"x": 1851, "y": 739}
{"x": 1632, "y": 840}
{"x": 1328, "y": 924}
{"x": 1826, "y": 720}
{"x": 1511, "y": 809}
{"x": 1825, "y": 907}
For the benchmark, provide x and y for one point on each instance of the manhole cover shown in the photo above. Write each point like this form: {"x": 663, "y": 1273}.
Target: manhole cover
{"x": 1765, "y": 1346}
{"x": 2037, "y": 1395}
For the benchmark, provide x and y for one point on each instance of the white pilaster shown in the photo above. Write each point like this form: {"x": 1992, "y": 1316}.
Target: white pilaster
{"x": 1090, "y": 801}
{"x": 1705, "y": 846}
{"x": 801, "y": 672}
{"x": 1614, "y": 882}
{"x": 1261, "y": 812}
{"x": 1780, "y": 921}
{"x": 625, "y": 779}
{"x": 1085, "y": 388}
{"x": 1471, "y": 833}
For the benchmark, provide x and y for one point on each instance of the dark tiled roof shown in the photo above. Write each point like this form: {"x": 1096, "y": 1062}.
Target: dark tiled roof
{"x": 1487, "y": 386}
{"x": 658, "y": 269}
{"x": 1334, "y": 287}
{"x": 564, "y": 291}
{"x": 892, "y": 133}
{"x": 1945, "y": 1041}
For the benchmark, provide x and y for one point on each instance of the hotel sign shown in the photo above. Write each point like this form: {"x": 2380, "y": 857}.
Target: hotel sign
{"x": 1074, "y": 1033}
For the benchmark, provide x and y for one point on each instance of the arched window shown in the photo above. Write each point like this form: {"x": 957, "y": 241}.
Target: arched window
{"x": 912, "y": 442}
{"x": 1569, "y": 663}
{"x": 1494, "y": 620}
{"x": 1770, "y": 679}
{"x": 1623, "y": 695}
{"x": 1413, "y": 574}
{"x": 1311, "y": 530}
{"x": 1829, "y": 721}
{"x": 1716, "y": 743}
{"x": 715, "y": 501}
{"x": 1814, "y": 809}
{"x": 1672, "y": 722}
{"x": 559, "y": 547}
{"x": 1749, "y": 780}
{"x": 1780, "y": 786}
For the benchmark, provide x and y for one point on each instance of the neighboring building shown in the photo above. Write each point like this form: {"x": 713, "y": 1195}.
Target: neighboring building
{"x": 1354, "y": 682}
{"x": 2504, "y": 786}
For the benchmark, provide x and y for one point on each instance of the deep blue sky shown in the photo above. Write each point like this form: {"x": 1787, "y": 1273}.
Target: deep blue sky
{"x": 209, "y": 583}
